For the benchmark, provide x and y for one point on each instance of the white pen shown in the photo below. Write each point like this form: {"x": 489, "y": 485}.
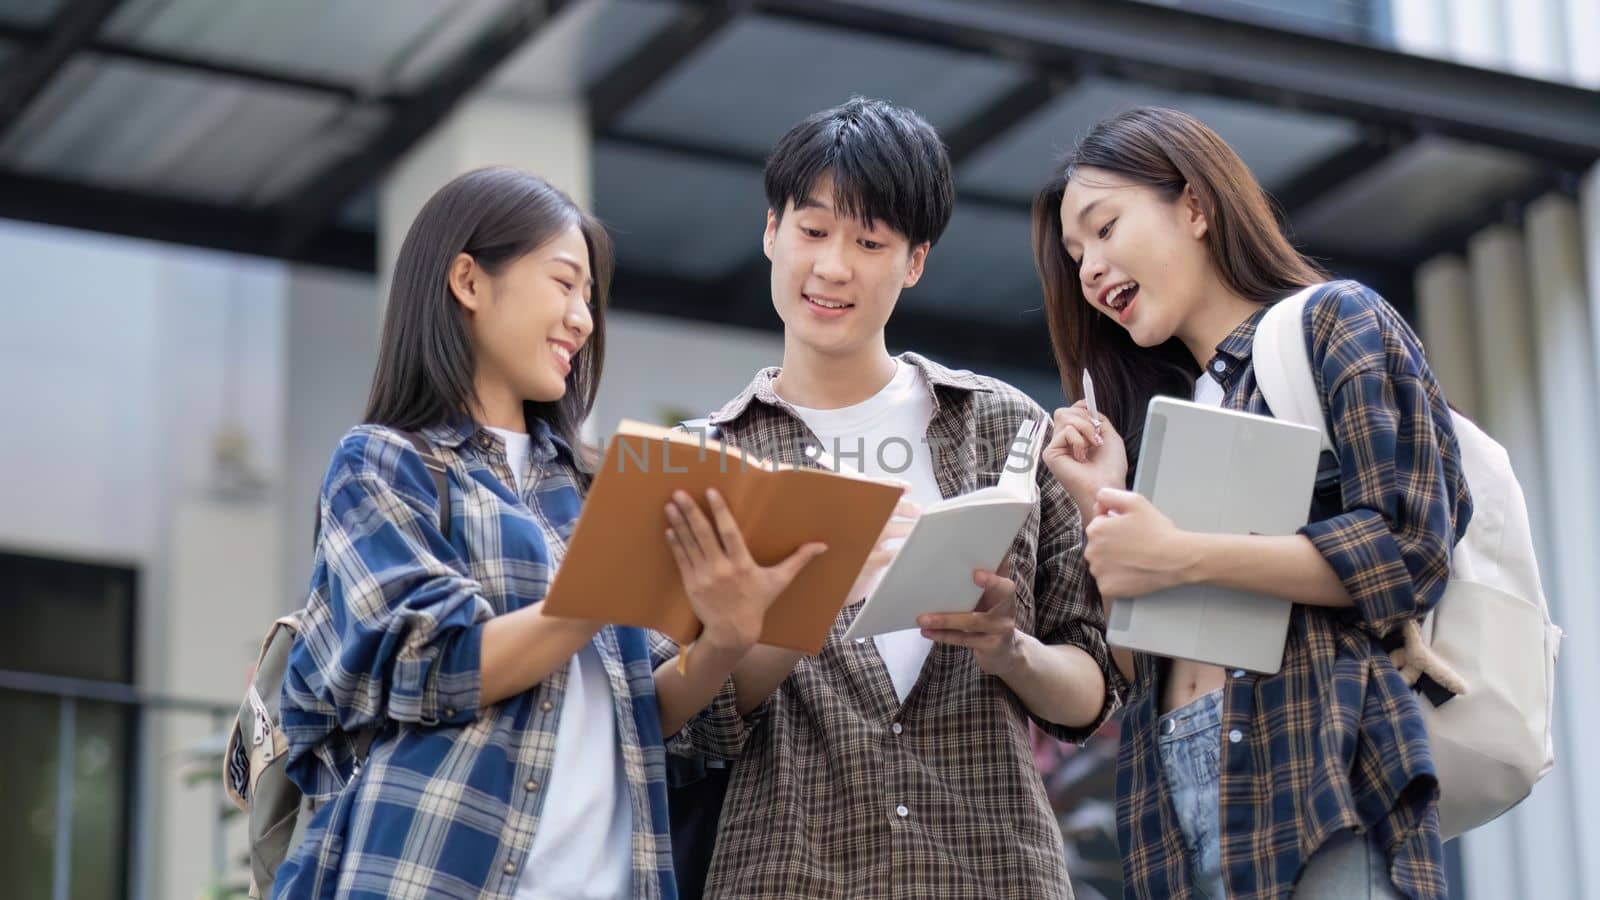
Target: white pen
{"x": 1088, "y": 395}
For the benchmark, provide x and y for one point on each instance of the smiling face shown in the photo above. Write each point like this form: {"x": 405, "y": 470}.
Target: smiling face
{"x": 527, "y": 322}
{"x": 1141, "y": 258}
{"x": 835, "y": 279}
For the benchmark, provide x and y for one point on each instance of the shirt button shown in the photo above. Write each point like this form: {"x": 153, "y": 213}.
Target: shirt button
{"x": 1218, "y": 366}
{"x": 510, "y": 869}
{"x": 901, "y": 811}
{"x": 1235, "y": 736}
{"x": 861, "y": 640}
{"x": 1238, "y": 673}
{"x": 450, "y": 712}
{"x": 547, "y": 706}
{"x": 532, "y": 784}
{"x": 897, "y": 728}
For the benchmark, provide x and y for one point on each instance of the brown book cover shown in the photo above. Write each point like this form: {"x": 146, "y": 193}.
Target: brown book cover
{"x": 619, "y": 570}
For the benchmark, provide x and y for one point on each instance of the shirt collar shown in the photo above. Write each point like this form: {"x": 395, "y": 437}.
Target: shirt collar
{"x": 1235, "y": 350}
{"x": 461, "y": 429}
{"x": 760, "y": 388}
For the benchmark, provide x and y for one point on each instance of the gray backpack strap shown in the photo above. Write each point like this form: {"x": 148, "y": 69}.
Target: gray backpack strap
{"x": 441, "y": 478}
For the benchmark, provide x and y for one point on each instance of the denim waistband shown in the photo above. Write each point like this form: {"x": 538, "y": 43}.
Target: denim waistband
{"x": 1198, "y": 715}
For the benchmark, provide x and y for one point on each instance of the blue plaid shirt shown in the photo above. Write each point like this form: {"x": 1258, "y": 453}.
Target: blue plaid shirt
{"x": 449, "y": 798}
{"x": 1334, "y": 740}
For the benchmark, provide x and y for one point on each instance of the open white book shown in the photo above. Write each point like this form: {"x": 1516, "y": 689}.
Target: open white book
{"x": 932, "y": 570}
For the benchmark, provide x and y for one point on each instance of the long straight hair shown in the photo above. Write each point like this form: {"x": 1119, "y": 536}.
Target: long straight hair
{"x": 426, "y": 359}
{"x": 1166, "y": 150}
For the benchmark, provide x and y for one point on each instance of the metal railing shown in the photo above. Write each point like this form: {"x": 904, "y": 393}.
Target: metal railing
{"x": 69, "y": 693}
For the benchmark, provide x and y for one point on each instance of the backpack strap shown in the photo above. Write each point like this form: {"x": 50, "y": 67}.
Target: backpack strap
{"x": 441, "y": 478}
{"x": 441, "y": 486}
{"x": 1283, "y": 365}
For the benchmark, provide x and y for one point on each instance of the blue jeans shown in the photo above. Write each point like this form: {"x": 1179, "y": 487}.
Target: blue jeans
{"x": 1189, "y": 739}
{"x": 1348, "y": 866}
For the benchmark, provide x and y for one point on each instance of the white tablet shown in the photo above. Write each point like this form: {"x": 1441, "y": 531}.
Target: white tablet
{"x": 1223, "y": 472}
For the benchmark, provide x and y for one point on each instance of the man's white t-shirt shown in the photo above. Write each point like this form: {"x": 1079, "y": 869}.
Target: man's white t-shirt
{"x": 583, "y": 847}
{"x": 886, "y": 435}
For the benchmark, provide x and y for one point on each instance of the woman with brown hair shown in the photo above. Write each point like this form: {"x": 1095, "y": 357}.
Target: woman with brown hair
{"x": 1159, "y": 253}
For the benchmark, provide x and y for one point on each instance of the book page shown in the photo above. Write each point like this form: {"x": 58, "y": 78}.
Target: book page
{"x": 932, "y": 571}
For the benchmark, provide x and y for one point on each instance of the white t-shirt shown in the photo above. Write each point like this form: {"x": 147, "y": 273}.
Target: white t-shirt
{"x": 518, "y": 445}
{"x": 886, "y": 435}
{"x": 1208, "y": 390}
{"x": 583, "y": 847}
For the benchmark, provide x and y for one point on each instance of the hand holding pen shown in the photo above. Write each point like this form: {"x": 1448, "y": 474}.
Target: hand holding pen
{"x": 1086, "y": 453}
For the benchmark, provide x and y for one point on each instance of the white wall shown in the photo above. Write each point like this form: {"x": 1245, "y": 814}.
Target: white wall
{"x": 78, "y": 365}
{"x": 656, "y": 364}
{"x": 332, "y": 348}
{"x": 122, "y": 362}
{"x": 116, "y": 356}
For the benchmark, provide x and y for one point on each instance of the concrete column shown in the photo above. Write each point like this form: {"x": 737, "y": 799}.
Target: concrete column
{"x": 1491, "y": 855}
{"x": 1562, "y": 813}
{"x": 1500, "y": 858}
{"x": 1444, "y": 311}
{"x": 1535, "y": 43}
{"x": 1477, "y": 33}
{"x": 225, "y": 584}
{"x": 1582, "y": 29}
{"x": 217, "y": 421}
{"x": 548, "y": 137}
{"x": 1497, "y": 260}
{"x": 1589, "y": 223}
{"x": 1421, "y": 27}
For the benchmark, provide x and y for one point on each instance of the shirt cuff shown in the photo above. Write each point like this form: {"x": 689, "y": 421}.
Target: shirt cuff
{"x": 1363, "y": 553}
{"x": 718, "y": 731}
{"x": 1092, "y": 643}
{"x": 450, "y": 683}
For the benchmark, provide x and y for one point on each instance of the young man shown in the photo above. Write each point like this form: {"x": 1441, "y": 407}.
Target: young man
{"x": 898, "y": 766}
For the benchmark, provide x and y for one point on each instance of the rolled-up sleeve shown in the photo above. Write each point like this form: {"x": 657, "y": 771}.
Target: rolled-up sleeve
{"x": 1065, "y": 610}
{"x": 1400, "y": 488}
{"x": 716, "y": 732}
{"x": 399, "y": 637}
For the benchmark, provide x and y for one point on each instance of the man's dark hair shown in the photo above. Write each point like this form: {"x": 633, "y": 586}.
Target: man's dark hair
{"x": 887, "y": 162}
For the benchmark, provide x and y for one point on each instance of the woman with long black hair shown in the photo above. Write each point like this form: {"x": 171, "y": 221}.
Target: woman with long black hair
{"x": 513, "y": 754}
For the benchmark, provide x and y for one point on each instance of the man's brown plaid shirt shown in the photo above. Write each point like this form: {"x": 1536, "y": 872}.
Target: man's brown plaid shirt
{"x": 842, "y": 791}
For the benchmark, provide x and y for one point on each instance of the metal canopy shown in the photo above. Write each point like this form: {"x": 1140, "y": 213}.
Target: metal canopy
{"x": 266, "y": 128}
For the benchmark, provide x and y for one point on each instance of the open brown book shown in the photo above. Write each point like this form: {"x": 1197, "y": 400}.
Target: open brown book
{"x": 619, "y": 570}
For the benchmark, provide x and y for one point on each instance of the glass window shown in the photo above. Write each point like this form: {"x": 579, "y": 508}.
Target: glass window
{"x": 75, "y": 620}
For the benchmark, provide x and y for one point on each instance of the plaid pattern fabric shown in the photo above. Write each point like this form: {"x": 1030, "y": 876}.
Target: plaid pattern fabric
{"x": 842, "y": 791}
{"x": 1335, "y": 739}
{"x": 449, "y": 799}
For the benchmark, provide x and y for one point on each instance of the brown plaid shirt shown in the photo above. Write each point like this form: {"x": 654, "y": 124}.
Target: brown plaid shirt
{"x": 1334, "y": 740}
{"x": 842, "y": 791}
